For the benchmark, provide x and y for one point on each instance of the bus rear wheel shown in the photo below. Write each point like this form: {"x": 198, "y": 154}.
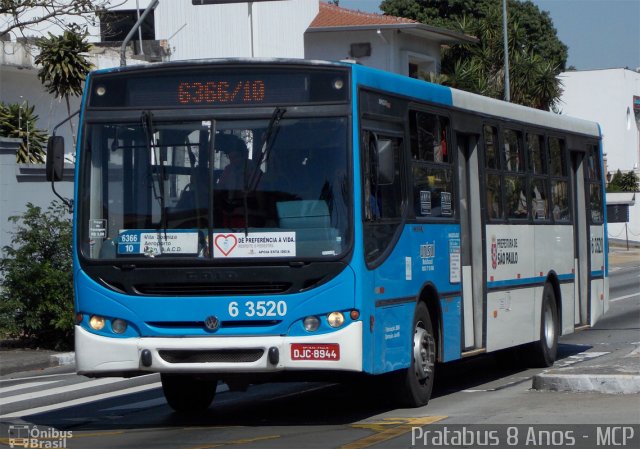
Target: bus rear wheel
{"x": 187, "y": 393}
{"x": 415, "y": 384}
{"x": 543, "y": 352}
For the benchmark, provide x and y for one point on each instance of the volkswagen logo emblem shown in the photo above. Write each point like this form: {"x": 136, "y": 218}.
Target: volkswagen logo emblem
{"x": 212, "y": 323}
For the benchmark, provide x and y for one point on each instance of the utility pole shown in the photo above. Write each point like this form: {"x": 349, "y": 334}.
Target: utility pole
{"x": 507, "y": 88}
{"x": 139, "y": 28}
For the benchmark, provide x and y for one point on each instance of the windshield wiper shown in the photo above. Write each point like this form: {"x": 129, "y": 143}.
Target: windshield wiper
{"x": 269, "y": 138}
{"x": 152, "y": 146}
{"x": 267, "y": 142}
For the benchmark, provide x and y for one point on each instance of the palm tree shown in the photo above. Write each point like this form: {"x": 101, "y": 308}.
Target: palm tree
{"x": 19, "y": 121}
{"x": 479, "y": 67}
{"x": 64, "y": 68}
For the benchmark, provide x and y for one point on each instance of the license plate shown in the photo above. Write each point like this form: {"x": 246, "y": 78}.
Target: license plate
{"x": 303, "y": 351}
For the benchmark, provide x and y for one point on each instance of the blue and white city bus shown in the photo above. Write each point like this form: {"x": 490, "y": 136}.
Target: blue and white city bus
{"x": 378, "y": 224}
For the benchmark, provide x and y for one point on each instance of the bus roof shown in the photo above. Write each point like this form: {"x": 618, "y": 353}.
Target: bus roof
{"x": 468, "y": 101}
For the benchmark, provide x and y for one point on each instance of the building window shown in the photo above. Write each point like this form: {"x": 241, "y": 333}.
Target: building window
{"x": 418, "y": 65}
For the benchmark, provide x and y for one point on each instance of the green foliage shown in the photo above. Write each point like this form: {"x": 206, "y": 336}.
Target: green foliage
{"x": 19, "y": 121}
{"x": 36, "y": 298}
{"x": 64, "y": 68}
{"x": 624, "y": 182}
{"x": 536, "y": 55}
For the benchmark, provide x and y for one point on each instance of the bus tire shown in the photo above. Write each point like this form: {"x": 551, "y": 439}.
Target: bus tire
{"x": 416, "y": 383}
{"x": 544, "y": 351}
{"x": 186, "y": 393}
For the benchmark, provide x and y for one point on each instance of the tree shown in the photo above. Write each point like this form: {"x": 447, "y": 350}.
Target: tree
{"x": 536, "y": 54}
{"x": 22, "y": 16}
{"x": 624, "y": 182}
{"x": 36, "y": 299}
{"x": 19, "y": 121}
{"x": 64, "y": 68}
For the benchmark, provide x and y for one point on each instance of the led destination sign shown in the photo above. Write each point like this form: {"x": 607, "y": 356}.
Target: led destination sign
{"x": 214, "y": 87}
{"x": 244, "y": 91}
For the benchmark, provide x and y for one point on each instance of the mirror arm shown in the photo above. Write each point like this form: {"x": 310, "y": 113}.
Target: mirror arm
{"x": 55, "y": 128}
{"x": 67, "y": 202}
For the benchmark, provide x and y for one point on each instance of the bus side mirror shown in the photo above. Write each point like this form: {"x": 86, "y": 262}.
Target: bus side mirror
{"x": 55, "y": 158}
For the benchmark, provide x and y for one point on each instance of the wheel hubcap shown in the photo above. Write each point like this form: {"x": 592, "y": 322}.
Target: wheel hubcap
{"x": 549, "y": 328}
{"x": 423, "y": 352}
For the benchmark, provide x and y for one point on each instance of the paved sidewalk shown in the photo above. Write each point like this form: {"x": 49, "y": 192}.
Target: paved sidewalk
{"x": 21, "y": 360}
{"x": 620, "y": 256}
{"x": 616, "y": 373}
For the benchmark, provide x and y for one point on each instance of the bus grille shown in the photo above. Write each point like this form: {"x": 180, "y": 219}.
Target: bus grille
{"x": 248, "y": 288}
{"x": 212, "y": 356}
{"x": 191, "y": 326}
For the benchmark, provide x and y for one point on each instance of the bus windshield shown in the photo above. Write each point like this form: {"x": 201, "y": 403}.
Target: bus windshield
{"x": 216, "y": 189}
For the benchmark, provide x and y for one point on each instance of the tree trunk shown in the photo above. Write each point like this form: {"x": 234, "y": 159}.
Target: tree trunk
{"x": 73, "y": 133}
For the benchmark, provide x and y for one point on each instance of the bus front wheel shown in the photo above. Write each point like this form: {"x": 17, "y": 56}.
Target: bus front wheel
{"x": 187, "y": 393}
{"x": 416, "y": 382}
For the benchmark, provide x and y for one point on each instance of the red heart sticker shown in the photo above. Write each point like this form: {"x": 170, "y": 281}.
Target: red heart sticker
{"x": 225, "y": 243}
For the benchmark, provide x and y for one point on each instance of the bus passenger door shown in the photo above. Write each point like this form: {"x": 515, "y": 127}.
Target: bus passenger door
{"x": 581, "y": 239}
{"x": 470, "y": 240}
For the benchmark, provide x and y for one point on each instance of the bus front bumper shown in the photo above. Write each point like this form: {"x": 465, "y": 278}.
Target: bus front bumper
{"x": 340, "y": 351}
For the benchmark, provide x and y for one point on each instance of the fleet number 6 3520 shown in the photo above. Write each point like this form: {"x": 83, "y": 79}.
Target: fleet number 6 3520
{"x": 258, "y": 308}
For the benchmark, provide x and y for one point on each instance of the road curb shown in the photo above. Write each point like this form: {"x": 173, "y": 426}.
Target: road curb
{"x": 600, "y": 383}
{"x": 20, "y": 361}
{"x": 62, "y": 359}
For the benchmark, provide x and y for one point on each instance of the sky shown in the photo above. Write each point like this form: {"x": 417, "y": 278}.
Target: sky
{"x": 600, "y": 34}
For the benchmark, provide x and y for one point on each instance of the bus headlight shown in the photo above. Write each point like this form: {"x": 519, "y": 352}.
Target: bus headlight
{"x": 97, "y": 322}
{"x": 335, "y": 319}
{"x": 118, "y": 326}
{"x": 311, "y": 323}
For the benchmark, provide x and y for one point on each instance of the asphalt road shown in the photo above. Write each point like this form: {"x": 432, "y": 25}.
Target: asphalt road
{"x": 485, "y": 392}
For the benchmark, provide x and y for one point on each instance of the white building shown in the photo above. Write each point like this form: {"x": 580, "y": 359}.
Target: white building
{"x": 394, "y": 44}
{"x": 606, "y": 96}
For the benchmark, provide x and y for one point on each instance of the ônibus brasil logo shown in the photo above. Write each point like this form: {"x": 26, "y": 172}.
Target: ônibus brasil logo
{"x": 32, "y": 437}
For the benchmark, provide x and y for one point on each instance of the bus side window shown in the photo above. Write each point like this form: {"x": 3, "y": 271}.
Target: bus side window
{"x": 558, "y": 169}
{"x": 381, "y": 191}
{"x": 431, "y": 166}
{"x": 382, "y": 183}
{"x": 513, "y": 151}
{"x": 593, "y": 180}
{"x": 493, "y": 178}
{"x": 494, "y": 191}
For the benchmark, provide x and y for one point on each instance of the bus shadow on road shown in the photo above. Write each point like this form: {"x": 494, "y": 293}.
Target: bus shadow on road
{"x": 295, "y": 404}
{"x": 489, "y": 368}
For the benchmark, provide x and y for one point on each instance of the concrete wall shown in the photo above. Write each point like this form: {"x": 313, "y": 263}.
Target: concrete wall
{"x": 19, "y": 83}
{"x": 24, "y": 183}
